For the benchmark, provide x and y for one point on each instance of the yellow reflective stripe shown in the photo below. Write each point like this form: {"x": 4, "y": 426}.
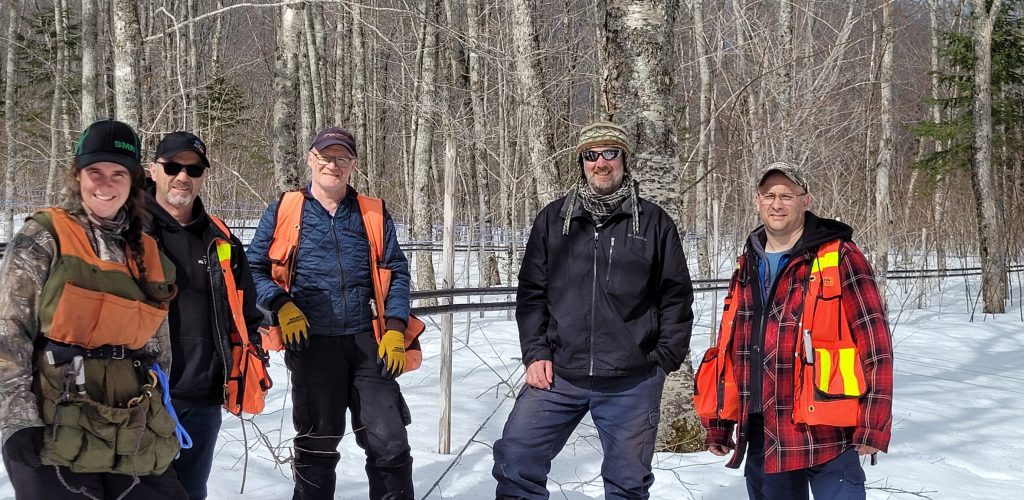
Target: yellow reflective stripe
{"x": 223, "y": 251}
{"x": 830, "y": 259}
{"x": 847, "y": 358}
{"x": 824, "y": 368}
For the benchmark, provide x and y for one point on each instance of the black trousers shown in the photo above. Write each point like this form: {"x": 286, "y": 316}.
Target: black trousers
{"x": 332, "y": 375}
{"x": 35, "y": 483}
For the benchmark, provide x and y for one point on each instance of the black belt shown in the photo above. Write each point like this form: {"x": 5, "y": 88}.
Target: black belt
{"x": 58, "y": 353}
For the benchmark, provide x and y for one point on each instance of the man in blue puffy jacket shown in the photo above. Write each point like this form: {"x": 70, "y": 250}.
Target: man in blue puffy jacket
{"x": 325, "y": 318}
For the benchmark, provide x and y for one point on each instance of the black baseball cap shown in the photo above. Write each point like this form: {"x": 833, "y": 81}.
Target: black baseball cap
{"x": 335, "y": 136}
{"x": 109, "y": 140}
{"x": 177, "y": 142}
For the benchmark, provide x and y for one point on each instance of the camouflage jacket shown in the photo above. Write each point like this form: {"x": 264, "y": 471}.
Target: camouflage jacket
{"x": 26, "y": 266}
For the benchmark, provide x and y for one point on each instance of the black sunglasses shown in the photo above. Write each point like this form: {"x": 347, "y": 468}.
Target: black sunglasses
{"x": 608, "y": 154}
{"x": 173, "y": 169}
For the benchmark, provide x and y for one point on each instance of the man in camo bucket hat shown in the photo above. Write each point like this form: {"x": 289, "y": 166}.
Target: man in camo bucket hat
{"x": 603, "y": 308}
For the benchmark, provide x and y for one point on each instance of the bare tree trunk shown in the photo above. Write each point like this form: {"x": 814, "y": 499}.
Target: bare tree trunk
{"x": 640, "y": 64}
{"x": 10, "y": 119}
{"x": 359, "y": 118}
{"x": 886, "y": 146}
{"x": 217, "y": 35}
{"x": 314, "y": 60}
{"x": 534, "y": 105}
{"x": 487, "y": 262}
{"x": 307, "y": 113}
{"x": 287, "y": 174}
{"x": 785, "y": 79}
{"x": 192, "y": 109}
{"x": 937, "y": 233}
{"x": 704, "y": 265}
{"x": 56, "y": 126}
{"x": 422, "y": 225}
{"x": 89, "y": 61}
{"x": 127, "y": 42}
{"x": 990, "y": 220}
{"x": 341, "y": 104}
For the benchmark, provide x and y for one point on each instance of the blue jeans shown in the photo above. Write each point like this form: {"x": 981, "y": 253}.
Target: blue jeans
{"x": 841, "y": 478}
{"x": 625, "y": 411}
{"x": 193, "y": 465}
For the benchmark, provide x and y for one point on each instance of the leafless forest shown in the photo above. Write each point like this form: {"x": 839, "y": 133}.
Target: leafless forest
{"x": 907, "y": 113}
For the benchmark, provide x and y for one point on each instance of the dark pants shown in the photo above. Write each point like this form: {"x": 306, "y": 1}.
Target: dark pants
{"x": 841, "y": 478}
{"x": 330, "y": 376}
{"x": 625, "y": 411}
{"x": 35, "y": 483}
{"x": 193, "y": 465}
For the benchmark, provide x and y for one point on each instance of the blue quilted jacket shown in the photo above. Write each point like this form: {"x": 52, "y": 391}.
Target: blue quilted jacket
{"x": 332, "y": 276}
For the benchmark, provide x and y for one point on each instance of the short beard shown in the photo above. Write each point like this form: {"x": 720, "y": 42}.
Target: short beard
{"x": 179, "y": 200}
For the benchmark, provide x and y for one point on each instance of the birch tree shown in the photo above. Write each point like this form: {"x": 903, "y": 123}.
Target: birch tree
{"x": 127, "y": 41}
{"x": 639, "y": 53}
{"x": 89, "y": 61}
{"x": 990, "y": 219}
{"x": 885, "y": 153}
{"x": 287, "y": 173}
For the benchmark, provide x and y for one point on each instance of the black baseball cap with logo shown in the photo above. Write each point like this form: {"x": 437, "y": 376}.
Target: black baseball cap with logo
{"x": 109, "y": 140}
{"x": 179, "y": 142}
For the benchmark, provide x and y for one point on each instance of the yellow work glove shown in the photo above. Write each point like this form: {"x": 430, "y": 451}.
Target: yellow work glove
{"x": 392, "y": 354}
{"x": 294, "y": 327}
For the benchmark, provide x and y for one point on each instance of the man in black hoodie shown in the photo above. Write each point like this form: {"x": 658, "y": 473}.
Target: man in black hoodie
{"x": 200, "y": 316}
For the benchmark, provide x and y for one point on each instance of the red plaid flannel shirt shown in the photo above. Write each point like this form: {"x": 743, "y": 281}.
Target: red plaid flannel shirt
{"x": 789, "y": 446}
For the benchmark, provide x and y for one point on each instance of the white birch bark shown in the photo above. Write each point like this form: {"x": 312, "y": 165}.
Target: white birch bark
{"x": 288, "y": 173}
{"x": 127, "y": 42}
{"x": 703, "y": 199}
{"x": 486, "y": 261}
{"x": 785, "y": 80}
{"x": 313, "y": 58}
{"x": 358, "y": 112}
{"x": 886, "y": 153}
{"x": 991, "y": 228}
{"x": 89, "y": 61}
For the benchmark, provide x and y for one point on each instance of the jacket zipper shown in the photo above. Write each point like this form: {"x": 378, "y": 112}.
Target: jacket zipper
{"x": 611, "y": 251}
{"x": 593, "y": 302}
{"x": 341, "y": 272}
{"x": 218, "y": 338}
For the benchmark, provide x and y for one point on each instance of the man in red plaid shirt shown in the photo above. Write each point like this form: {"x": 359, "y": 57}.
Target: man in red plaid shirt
{"x": 784, "y": 457}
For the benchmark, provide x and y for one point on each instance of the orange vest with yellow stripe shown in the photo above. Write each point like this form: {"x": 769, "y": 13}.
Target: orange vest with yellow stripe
{"x": 829, "y": 372}
{"x": 248, "y": 381}
{"x": 90, "y": 302}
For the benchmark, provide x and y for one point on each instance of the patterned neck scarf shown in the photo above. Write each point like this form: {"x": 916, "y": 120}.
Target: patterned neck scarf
{"x": 601, "y": 206}
{"x": 117, "y": 225}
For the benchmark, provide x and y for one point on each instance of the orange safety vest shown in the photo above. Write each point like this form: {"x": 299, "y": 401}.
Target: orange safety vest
{"x": 285, "y": 244}
{"x": 89, "y": 302}
{"x": 248, "y": 382}
{"x": 830, "y": 373}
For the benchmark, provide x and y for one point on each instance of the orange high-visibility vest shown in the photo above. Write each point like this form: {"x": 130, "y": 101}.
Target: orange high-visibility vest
{"x": 90, "y": 302}
{"x": 830, "y": 374}
{"x": 248, "y": 381}
{"x": 285, "y": 244}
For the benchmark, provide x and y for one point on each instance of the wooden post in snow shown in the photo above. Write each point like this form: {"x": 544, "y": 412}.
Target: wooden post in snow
{"x": 444, "y": 438}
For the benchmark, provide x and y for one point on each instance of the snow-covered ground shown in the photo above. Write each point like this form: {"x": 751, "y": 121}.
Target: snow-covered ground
{"x": 958, "y": 429}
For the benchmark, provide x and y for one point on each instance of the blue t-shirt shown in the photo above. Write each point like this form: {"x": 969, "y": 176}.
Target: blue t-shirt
{"x": 770, "y": 270}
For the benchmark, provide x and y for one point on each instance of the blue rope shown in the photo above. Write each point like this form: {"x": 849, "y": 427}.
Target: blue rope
{"x": 183, "y": 438}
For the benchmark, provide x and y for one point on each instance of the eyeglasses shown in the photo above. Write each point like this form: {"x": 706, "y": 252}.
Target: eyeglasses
{"x": 341, "y": 161}
{"x": 785, "y": 198}
{"x": 608, "y": 154}
{"x": 173, "y": 169}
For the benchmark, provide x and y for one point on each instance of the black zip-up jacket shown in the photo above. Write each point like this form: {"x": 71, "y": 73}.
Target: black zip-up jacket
{"x": 816, "y": 232}
{"x": 602, "y": 301}
{"x": 200, "y": 320}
